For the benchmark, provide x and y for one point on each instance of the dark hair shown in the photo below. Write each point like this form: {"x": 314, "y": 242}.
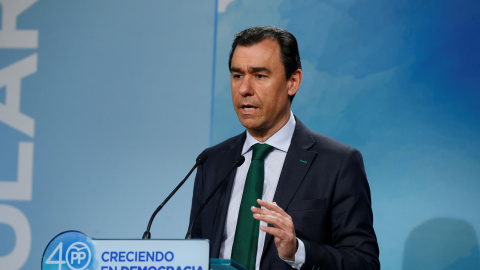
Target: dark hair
{"x": 288, "y": 45}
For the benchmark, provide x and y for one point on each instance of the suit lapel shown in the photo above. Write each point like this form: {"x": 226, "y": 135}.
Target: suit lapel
{"x": 296, "y": 165}
{"x": 226, "y": 192}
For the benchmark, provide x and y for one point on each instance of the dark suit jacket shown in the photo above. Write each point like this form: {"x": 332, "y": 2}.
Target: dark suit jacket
{"x": 322, "y": 186}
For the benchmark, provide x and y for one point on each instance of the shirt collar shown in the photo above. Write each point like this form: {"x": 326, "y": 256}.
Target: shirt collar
{"x": 280, "y": 140}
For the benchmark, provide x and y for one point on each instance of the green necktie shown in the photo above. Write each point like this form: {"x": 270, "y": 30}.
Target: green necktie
{"x": 244, "y": 250}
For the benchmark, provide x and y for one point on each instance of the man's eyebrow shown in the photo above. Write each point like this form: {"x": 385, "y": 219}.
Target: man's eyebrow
{"x": 251, "y": 69}
{"x": 259, "y": 69}
{"x": 234, "y": 69}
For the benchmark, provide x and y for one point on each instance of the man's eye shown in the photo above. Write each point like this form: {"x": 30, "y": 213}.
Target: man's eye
{"x": 260, "y": 76}
{"x": 236, "y": 76}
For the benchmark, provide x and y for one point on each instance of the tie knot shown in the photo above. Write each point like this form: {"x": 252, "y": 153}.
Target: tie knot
{"x": 260, "y": 151}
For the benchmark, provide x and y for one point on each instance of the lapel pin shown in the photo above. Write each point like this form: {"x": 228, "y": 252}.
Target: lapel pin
{"x": 303, "y": 161}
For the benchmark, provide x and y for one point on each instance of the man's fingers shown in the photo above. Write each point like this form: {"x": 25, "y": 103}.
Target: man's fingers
{"x": 278, "y": 232}
{"x": 272, "y": 207}
{"x": 273, "y": 218}
{"x": 276, "y": 221}
{"x": 264, "y": 211}
{"x": 273, "y": 231}
{"x": 283, "y": 229}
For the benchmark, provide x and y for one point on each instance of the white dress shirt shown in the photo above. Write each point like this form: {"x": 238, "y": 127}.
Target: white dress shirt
{"x": 273, "y": 167}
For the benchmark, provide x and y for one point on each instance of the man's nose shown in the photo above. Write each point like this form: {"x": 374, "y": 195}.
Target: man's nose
{"x": 246, "y": 88}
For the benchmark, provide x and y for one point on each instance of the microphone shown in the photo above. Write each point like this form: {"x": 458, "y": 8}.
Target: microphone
{"x": 238, "y": 162}
{"x": 200, "y": 160}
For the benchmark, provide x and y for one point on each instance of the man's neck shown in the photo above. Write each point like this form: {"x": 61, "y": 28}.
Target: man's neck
{"x": 284, "y": 133}
{"x": 263, "y": 135}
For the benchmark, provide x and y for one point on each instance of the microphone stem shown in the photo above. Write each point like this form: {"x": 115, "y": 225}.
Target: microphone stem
{"x": 238, "y": 162}
{"x": 147, "y": 235}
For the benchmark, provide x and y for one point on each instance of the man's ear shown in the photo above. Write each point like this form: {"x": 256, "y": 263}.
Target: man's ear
{"x": 294, "y": 82}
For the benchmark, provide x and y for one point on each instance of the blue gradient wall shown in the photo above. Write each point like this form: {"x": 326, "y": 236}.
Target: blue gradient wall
{"x": 120, "y": 98}
{"x": 399, "y": 80}
{"x": 121, "y": 105}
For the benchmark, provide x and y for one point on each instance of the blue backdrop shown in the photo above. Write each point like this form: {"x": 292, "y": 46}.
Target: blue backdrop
{"x": 104, "y": 106}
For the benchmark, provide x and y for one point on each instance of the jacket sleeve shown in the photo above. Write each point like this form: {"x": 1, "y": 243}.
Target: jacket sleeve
{"x": 353, "y": 243}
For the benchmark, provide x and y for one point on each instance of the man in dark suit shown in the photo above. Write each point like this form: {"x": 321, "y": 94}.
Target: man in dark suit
{"x": 315, "y": 209}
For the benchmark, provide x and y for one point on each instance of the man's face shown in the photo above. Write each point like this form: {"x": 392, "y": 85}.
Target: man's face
{"x": 260, "y": 91}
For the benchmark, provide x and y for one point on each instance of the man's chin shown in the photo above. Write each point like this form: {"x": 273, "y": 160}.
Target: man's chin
{"x": 254, "y": 128}
{"x": 249, "y": 124}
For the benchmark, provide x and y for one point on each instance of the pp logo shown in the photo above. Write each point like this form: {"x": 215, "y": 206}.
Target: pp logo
{"x": 78, "y": 256}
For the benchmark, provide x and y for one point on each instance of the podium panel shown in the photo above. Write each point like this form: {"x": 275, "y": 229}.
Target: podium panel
{"x": 74, "y": 250}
